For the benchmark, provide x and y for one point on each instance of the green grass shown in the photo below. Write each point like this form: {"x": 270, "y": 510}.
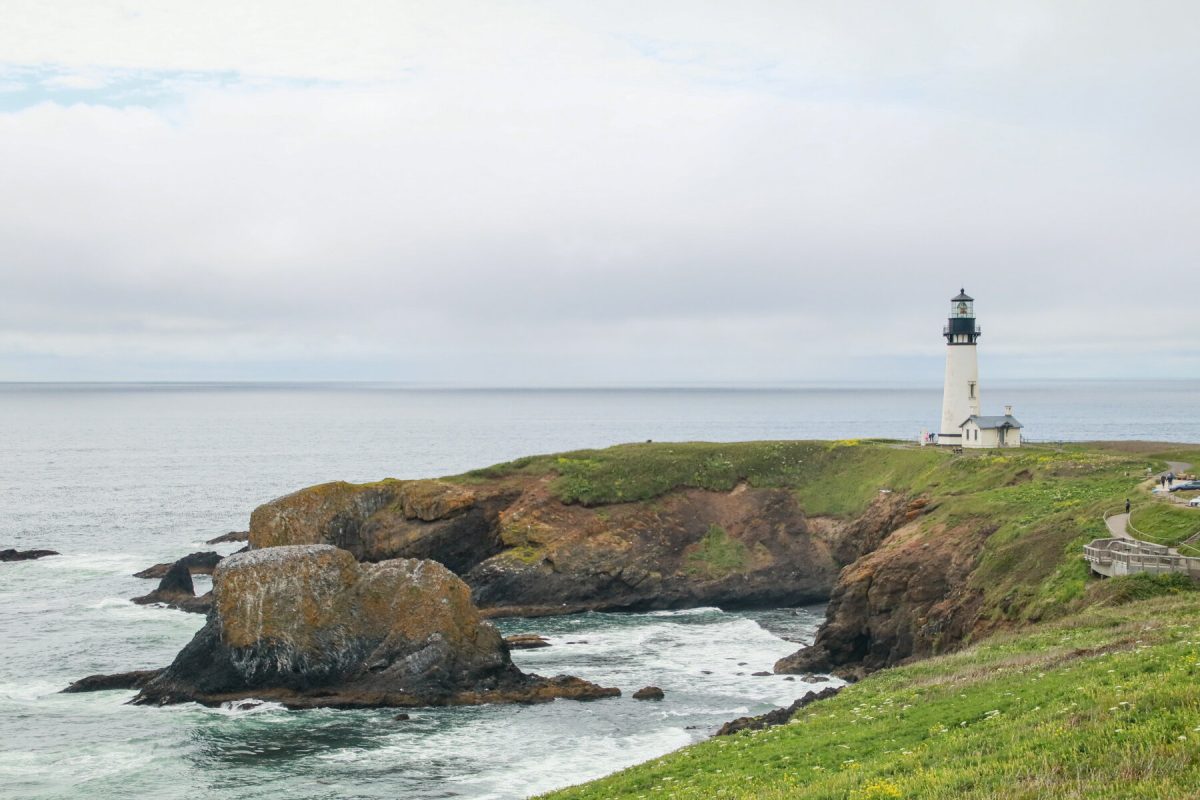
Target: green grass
{"x": 1163, "y": 522}
{"x": 1103, "y": 705}
{"x": 830, "y": 478}
{"x": 716, "y": 554}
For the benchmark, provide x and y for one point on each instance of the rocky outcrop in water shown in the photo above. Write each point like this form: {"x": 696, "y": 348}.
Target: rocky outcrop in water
{"x": 526, "y": 641}
{"x": 176, "y": 590}
{"x": 121, "y": 680}
{"x": 232, "y": 536}
{"x": 310, "y": 626}
{"x": 196, "y": 564}
{"x": 26, "y": 555}
{"x": 525, "y": 552}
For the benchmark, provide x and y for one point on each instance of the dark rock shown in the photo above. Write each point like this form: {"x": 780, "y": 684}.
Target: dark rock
{"x": 525, "y": 641}
{"x": 401, "y": 717}
{"x": 777, "y": 717}
{"x": 121, "y": 680}
{"x": 175, "y": 590}
{"x": 232, "y": 536}
{"x": 761, "y": 674}
{"x": 308, "y": 626}
{"x": 26, "y": 555}
{"x": 249, "y": 705}
{"x": 790, "y": 678}
{"x": 196, "y": 563}
{"x": 176, "y": 584}
{"x": 649, "y": 693}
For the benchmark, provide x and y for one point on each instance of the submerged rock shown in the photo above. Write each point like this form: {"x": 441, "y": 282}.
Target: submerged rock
{"x": 649, "y": 693}
{"x": 26, "y": 555}
{"x": 196, "y": 563}
{"x": 526, "y": 641}
{"x": 777, "y": 717}
{"x": 309, "y": 626}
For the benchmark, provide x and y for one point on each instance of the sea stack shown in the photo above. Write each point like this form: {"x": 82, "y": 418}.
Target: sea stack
{"x": 309, "y": 626}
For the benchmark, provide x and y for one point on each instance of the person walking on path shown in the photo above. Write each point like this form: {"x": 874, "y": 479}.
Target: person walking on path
{"x": 1126, "y": 505}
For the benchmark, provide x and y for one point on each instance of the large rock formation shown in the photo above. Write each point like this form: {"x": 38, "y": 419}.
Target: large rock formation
{"x": 908, "y": 599}
{"x": 311, "y": 626}
{"x": 524, "y": 551}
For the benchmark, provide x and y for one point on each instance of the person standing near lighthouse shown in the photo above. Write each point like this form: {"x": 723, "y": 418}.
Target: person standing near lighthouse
{"x": 960, "y": 393}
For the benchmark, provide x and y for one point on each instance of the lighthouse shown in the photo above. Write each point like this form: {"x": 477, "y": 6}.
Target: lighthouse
{"x": 962, "y": 425}
{"x": 960, "y": 394}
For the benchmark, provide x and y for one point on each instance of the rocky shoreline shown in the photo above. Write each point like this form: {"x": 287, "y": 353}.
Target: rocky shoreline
{"x": 309, "y": 626}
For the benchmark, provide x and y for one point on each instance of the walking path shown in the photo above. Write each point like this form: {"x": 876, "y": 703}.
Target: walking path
{"x": 1118, "y": 526}
{"x": 1124, "y": 553}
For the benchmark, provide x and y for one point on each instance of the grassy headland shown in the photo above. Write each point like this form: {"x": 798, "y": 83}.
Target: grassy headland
{"x": 1074, "y": 686}
{"x": 1038, "y": 505}
{"x": 1102, "y": 704}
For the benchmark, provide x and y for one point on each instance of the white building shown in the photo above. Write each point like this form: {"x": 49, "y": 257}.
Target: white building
{"x": 962, "y": 425}
{"x": 1002, "y": 431}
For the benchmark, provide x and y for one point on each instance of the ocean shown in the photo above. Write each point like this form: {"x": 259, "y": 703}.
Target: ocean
{"x": 119, "y": 477}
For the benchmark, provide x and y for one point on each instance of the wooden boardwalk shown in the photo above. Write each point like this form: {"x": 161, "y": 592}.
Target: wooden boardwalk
{"x": 1123, "y": 553}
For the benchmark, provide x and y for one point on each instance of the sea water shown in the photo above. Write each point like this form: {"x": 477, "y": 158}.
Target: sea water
{"x": 118, "y": 477}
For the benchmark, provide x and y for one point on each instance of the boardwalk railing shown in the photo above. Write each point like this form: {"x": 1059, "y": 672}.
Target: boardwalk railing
{"x": 1126, "y": 556}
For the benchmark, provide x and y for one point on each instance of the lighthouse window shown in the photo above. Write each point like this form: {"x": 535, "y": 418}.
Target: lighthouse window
{"x": 971, "y": 389}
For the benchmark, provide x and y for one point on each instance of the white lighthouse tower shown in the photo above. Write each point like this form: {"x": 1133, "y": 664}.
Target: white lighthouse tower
{"x": 960, "y": 395}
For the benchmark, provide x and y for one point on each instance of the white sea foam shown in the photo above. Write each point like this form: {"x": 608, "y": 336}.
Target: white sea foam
{"x": 685, "y": 612}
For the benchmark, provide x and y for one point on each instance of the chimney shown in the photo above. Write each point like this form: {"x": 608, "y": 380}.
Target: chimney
{"x": 1008, "y": 411}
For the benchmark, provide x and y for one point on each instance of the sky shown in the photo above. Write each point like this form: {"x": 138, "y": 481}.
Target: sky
{"x": 596, "y": 193}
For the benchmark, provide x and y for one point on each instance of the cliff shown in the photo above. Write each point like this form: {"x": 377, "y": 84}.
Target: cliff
{"x": 629, "y": 528}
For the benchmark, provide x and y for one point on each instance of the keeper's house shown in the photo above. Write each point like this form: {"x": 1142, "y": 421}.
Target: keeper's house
{"x": 1002, "y": 431}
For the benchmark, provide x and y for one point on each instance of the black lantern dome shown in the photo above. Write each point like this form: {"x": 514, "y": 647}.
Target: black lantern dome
{"x": 961, "y": 327}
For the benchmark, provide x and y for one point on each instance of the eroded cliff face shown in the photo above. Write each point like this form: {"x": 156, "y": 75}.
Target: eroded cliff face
{"x": 524, "y": 551}
{"x": 909, "y": 598}
{"x": 308, "y": 625}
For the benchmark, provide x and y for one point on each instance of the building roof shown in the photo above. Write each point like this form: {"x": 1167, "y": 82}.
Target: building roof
{"x": 962, "y": 295}
{"x": 987, "y": 423}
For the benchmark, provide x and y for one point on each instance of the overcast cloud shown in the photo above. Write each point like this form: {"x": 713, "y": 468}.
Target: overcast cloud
{"x": 593, "y": 193}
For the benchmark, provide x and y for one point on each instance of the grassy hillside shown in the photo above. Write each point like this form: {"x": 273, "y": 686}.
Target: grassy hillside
{"x": 1166, "y": 523}
{"x": 1104, "y": 704}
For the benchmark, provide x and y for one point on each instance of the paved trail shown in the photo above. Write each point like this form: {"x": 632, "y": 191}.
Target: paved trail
{"x": 1118, "y": 526}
